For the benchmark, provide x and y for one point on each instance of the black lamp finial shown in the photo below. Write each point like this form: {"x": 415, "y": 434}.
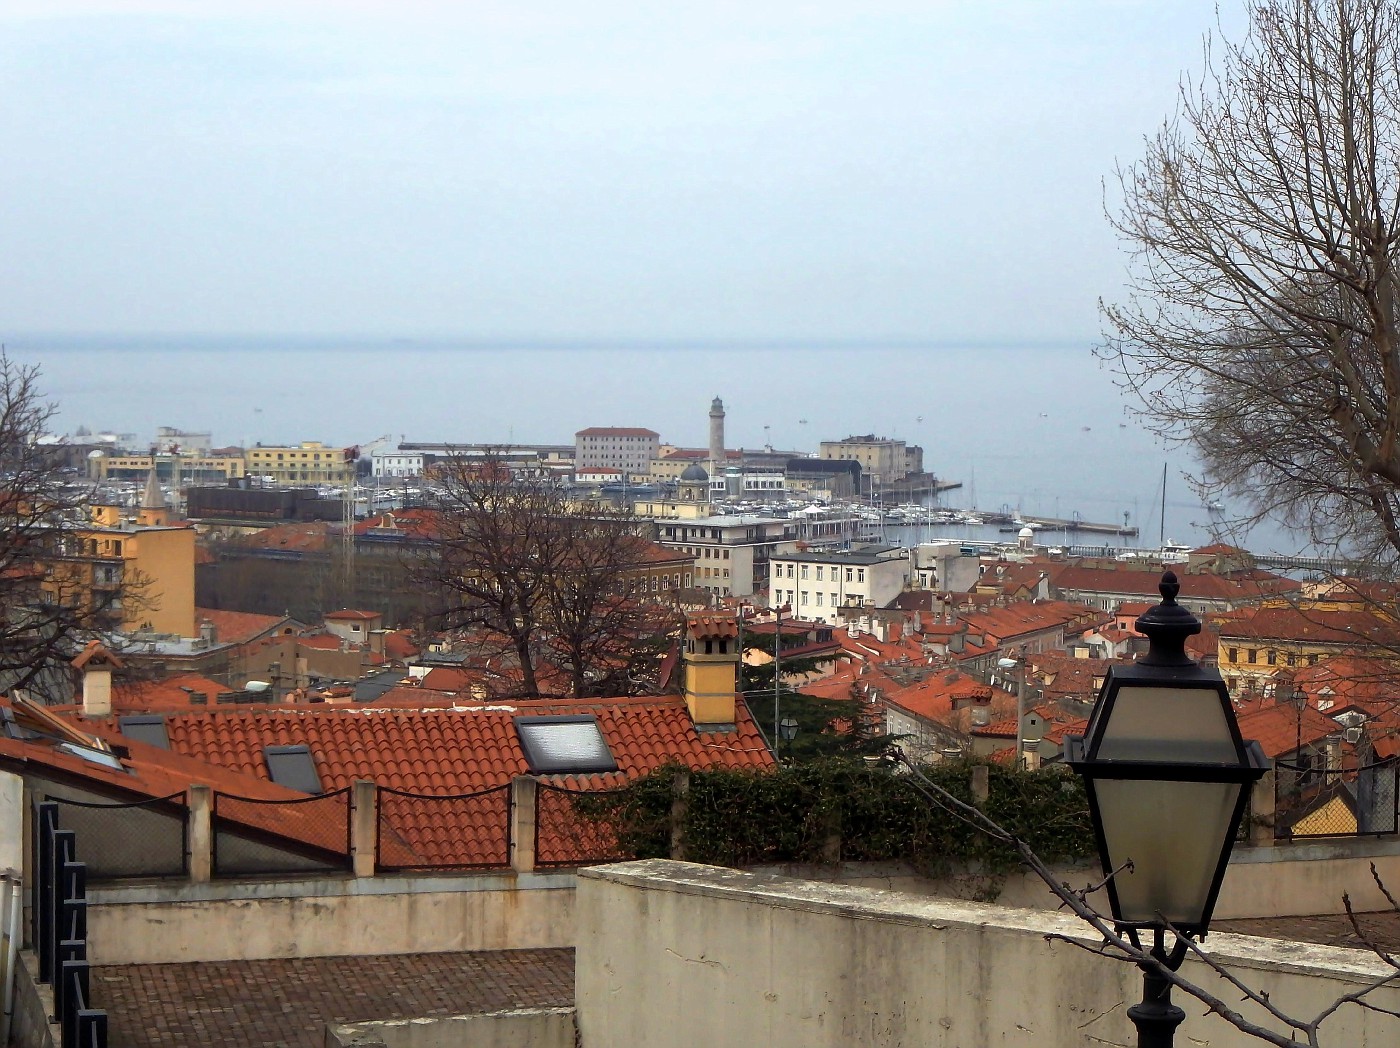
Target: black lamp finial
{"x": 1167, "y": 626}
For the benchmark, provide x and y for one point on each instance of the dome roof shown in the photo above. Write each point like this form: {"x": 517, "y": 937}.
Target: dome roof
{"x": 1025, "y": 533}
{"x": 695, "y": 472}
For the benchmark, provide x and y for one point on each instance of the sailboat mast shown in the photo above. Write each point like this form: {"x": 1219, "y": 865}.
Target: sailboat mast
{"x": 1162, "y": 522}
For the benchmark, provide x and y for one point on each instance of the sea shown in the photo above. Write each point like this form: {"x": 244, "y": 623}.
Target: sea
{"x": 1038, "y": 429}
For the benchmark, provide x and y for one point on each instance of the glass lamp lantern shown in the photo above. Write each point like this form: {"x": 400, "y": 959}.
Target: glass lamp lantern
{"x": 1167, "y": 777}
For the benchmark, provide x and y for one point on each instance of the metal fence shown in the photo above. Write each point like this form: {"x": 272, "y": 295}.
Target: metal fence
{"x": 572, "y": 828}
{"x": 1312, "y": 801}
{"x": 443, "y": 831}
{"x": 302, "y": 835}
{"x": 147, "y": 838}
{"x": 59, "y": 929}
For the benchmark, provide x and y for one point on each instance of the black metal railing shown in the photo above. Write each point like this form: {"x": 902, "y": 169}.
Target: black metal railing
{"x": 308, "y": 834}
{"x": 437, "y": 831}
{"x": 145, "y": 838}
{"x": 1312, "y": 800}
{"x": 572, "y": 829}
{"x": 59, "y": 929}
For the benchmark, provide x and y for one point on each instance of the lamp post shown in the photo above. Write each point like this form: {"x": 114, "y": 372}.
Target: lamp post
{"x": 1167, "y": 777}
{"x": 777, "y": 675}
{"x": 1007, "y": 665}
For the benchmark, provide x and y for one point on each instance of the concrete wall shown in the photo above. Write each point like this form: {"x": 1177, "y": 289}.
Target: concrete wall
{"x": 33, "y": 1006}
{"x": 516, "y": 1028}
{"x": 326, "y": 917}
{"x": 1294, "y": 880}
{"x": 739, "y": 958}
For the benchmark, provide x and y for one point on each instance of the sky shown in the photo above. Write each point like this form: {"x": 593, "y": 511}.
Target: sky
{"x": 784, "y": 171}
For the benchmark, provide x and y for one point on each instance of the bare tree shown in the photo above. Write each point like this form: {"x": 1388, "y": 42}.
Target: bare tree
{"x": 1260, "y": 322}
{"x": 49, "y": 605}
{"x": 547, "y": 579}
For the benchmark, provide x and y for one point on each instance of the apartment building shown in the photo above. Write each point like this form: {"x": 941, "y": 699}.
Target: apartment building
{"x": 816, "y": 586}
{"x": 618, "y": 447}
{"x": 882, "y": 459}
{"x": 731, "y": 553}
{"x": 309, "y": 462}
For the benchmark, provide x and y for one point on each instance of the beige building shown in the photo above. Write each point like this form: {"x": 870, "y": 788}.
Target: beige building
{"x": 309, "y": 462}
{"x": 171, "y": 468}
{"x": 883, "y": 460}
{"x": 616, "y": 447}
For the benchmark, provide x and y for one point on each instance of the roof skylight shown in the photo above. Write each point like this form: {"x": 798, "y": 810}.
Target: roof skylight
{"x": 572, "y": 745}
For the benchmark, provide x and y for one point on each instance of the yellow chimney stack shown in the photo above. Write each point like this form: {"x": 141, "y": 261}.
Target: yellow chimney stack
{"x": 711, "y": 668}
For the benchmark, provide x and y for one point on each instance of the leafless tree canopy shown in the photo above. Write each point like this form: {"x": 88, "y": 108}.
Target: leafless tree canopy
{"x": 1260, "y": 322}
{"x": 46, "y": 612}
{"x": 549, "y": 581}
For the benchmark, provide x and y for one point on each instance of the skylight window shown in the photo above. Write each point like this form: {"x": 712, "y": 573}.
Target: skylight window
{"x": 93, "y": 756}
{"x": 564, "y": 745}
{"x": 146, "y": 728}
{"x": 292, "y": 766}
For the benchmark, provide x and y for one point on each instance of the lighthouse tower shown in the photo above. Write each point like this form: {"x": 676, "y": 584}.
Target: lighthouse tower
{"x": 717, "y": 460}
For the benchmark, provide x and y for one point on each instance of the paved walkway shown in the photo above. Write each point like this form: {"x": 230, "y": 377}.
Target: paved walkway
{"x": 252, "y": 1004}
{"x": 1382, "y": 929}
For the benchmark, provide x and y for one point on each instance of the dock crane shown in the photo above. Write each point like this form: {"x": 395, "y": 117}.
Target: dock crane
{"x": 349, "y": 457}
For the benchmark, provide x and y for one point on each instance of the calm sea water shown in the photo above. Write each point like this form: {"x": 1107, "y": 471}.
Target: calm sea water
{"x": 1035, "y": 428}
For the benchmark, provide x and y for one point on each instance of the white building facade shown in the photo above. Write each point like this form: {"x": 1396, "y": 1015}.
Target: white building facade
{"x": 396, "y": 463}
{"x": 816, "y": 586}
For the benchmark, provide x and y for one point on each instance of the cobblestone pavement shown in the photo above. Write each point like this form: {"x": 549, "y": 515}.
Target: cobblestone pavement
{"x": 252, "y": 1004}
{"x": 1382, "y": 929}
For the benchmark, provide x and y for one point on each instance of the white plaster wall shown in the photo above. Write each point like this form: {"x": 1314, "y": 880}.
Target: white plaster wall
{"x": 11, "y": 824}
{"x": 252, "y": 920}
{"x": 740, "y": 959}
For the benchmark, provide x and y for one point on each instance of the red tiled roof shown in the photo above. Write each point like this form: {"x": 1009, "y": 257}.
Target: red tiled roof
{"x": 1237, "y": 586}
{"x": 238, "y": 627}
{"x": 457, "y": 749}
{"x": 465, "y": 748}
{"x": 303, "y": 537}
{"x": 1279, "y": 729}
{"x": 399, "y": 645}
{"x": 1350, "y": 628}
{"x": 162, "y": 694}
{"x": 712, "y": 627}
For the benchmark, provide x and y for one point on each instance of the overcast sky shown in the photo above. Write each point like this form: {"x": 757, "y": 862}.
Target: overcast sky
{"x": 517, "y": 169}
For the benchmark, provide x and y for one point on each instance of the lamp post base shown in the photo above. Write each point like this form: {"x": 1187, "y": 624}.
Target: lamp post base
{"x": 1156, "y": 1018}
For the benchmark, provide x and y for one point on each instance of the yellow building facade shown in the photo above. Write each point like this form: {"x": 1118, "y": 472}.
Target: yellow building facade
{"x": 309, "y": 462}
{"x": 142, "y": 573}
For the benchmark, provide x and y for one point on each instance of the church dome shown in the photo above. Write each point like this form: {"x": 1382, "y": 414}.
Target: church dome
{"x": 695, "y": 473}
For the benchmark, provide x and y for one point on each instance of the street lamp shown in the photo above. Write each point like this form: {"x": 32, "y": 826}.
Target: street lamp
{"x": 787, "y": 729}
{"x": 1167, "y": 777}
{"x": 1006, "y": 666}
{"x": 777, "y": 675}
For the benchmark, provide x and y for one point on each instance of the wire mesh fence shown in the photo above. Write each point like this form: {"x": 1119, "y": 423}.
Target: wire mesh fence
{"x": 575, "y": 827}
{"x": 302, "y": 835}
{"x": 1316, "y": 801}
{"x": 435, "y": 831}
{"x": 145, "y": 838}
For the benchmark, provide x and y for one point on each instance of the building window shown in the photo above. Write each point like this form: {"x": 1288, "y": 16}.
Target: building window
{"x": 819, "y": 573}
{"x": 860, "y": 574}
{"x": 819, "y": 598}
{"x": 1234, "y": 654}
{"x": 803, "y": 596}
{"x": 849, "y": 574}
{"x": 804, "y": 571}
{"x": 1253, "y": 654}
{"x": 835, "y": 599}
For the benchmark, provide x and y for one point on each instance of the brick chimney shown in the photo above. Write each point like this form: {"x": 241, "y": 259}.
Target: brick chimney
{"x": 711, "y": 661}
{"x": 96, "y": 664}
